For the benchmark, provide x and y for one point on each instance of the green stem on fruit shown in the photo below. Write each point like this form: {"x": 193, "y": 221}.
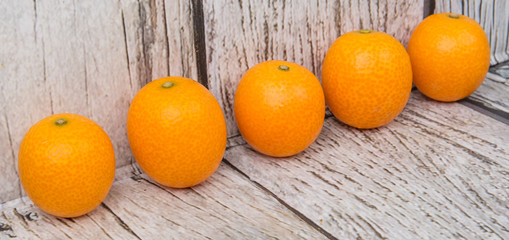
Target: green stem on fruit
{"x": 168, "y": 85}
{"x": 284, "y": 68}
{"x": 365, "y": 31}
{"x": 454, "y": 16}
{"x": 60, "y": 122}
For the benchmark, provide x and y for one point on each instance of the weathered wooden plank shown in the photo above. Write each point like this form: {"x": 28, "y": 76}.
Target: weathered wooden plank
{"x": 227, "y": 206}
{"x": 88, "y": 58}
{"x": 23, "y": 87}
{"x": 240, "y": 34}
{"x": 492, "y": 95}
{"x": 439, "y": 171}
{"x": 159, "y": 39}
{"x": 396, "y": 18}
{"x": 493, "y": 16}
{"x": 28, "y": 222}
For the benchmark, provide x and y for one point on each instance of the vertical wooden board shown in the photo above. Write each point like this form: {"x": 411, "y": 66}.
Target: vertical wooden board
{"x": 24, "y": 98}
{"x": 180, "y": 37}
{"x": 63, "y": 56}
{"x": 10, "y": 188}
{"x": 397, "y": 18}
{"x": 240, "y": 34}
{"x": 99, "y": 26}
{"x": 438, "y": 171}
{"x": 159, "y": 39}
{"x": 493, "y": 16}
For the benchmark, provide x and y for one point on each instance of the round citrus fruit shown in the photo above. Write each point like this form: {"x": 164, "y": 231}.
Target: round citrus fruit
{"x": 66, "y": 164}
{"x": 279, "y": 108}
{"x": 366, "y": 78}
{"x": 177, "y": 131}
{"x": 450, "y": 56}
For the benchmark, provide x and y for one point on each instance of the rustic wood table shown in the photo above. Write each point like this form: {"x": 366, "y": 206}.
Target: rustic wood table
{"x": 438, "y": 171}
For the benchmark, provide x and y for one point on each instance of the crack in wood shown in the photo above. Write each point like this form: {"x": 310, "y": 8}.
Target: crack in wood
{"x": 281, "y": 201}
{"x": 120, "y": 221}
{"x": 13, "y": 154}
{"x": 200, "y": 46}
{"x": 100, "y": 227}
{"x": 481, "y": 107}
{"x": 87, "y": 100}
{"x": 63, "y": 222}
{"x": 126, "y": 50}
{"x": 166, "y": 39}
{"x": 5, "y": 227}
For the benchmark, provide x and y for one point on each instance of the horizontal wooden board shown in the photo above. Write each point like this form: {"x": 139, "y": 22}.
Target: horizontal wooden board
{"x": 227, "y": 206}
{"x": 439, "y": 171}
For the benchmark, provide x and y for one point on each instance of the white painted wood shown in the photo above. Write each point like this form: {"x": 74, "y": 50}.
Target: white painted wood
{"x": 24, "y": 98}
{"x": 29, "y": 222}
{"x": 397, "y": 18}
{"x": 439, "y": 171}
{"x": 85, "y": 57}
{"x": 159, "y": 39}
{"x": 240, "y": 34}
{"x": 227, "y": 206}
{"x": 493, "y": 16}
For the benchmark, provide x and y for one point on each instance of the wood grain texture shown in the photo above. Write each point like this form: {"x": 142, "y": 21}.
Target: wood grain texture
{"x": 439, "y": 171}
{"x": 241, "y": 34}
{"x": 227, "y": 206}
{"x": 493, "y": 16}
{"x": 23, "y": 87}
{"x": 492, "y": 95}
{"x": 29, "y": 222}
{"x": 84, "y": 57}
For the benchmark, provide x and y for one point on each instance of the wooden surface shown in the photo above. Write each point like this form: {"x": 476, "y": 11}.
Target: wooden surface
{"x": 439, "y": 171}
{"x": 240, "y": 34}
{"x": 227, "y": 206}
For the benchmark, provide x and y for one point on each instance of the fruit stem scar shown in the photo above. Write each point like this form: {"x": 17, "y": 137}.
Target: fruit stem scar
{"x": 454, "y": 16}
{"x": 60, "y": 122}
{"x": 168, "y": 85}
{"x": 284, "y": 68}
{"x": 364, "y": 31}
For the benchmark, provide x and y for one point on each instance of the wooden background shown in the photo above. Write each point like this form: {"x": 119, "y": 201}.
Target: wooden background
{"x": 438, "y": 171}
{"x": 91, "y": 57}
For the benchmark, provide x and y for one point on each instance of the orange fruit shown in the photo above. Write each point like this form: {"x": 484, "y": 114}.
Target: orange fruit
{"x": 279, "y": 108}
{"x": 450, "y": 56}
{"x": 366, "y": 78}
{"x": 177, "y": 131}
{"x": 66, "y": 164}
